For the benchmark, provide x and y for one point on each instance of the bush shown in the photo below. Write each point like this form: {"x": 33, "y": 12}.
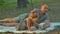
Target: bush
{"x": 1, "y": 2}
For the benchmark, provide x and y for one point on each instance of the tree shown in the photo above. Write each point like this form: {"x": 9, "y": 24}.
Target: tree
{"x": 22, "y": 3}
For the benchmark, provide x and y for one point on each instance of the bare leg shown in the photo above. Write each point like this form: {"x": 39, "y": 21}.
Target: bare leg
{"x": 16, "y": 25}
{"x": 12, "y": 24}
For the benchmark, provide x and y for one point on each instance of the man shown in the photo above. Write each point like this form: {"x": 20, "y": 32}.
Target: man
{"x": 42, "y": 16}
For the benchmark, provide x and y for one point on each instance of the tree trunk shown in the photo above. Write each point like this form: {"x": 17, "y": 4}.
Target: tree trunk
{"x": 21, "y": 3}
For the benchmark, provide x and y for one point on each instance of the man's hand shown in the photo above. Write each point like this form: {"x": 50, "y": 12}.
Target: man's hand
{"x": 47, "y": 24}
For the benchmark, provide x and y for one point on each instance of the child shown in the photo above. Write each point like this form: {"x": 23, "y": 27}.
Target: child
{"x": 32, "y": 19}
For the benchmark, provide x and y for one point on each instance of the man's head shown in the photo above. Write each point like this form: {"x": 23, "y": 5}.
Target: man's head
{"x": 44, "y": 8}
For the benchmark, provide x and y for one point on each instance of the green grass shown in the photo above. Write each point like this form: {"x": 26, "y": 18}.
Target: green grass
{"x": 13, "y": 3}
{"x": 9, "y": 4}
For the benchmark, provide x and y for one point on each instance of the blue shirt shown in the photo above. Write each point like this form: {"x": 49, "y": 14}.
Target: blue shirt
{"x": 41, "y": 18}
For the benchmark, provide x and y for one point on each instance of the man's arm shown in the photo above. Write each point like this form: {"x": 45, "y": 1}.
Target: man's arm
{"x": 47, "y": 21}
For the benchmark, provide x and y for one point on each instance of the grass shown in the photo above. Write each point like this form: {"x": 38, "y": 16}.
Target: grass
{"x": 9, "y": 4}
{"x": 9, "y": 9}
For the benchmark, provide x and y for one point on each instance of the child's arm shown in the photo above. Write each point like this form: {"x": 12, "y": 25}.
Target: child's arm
{"x": 28, "y": 24}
